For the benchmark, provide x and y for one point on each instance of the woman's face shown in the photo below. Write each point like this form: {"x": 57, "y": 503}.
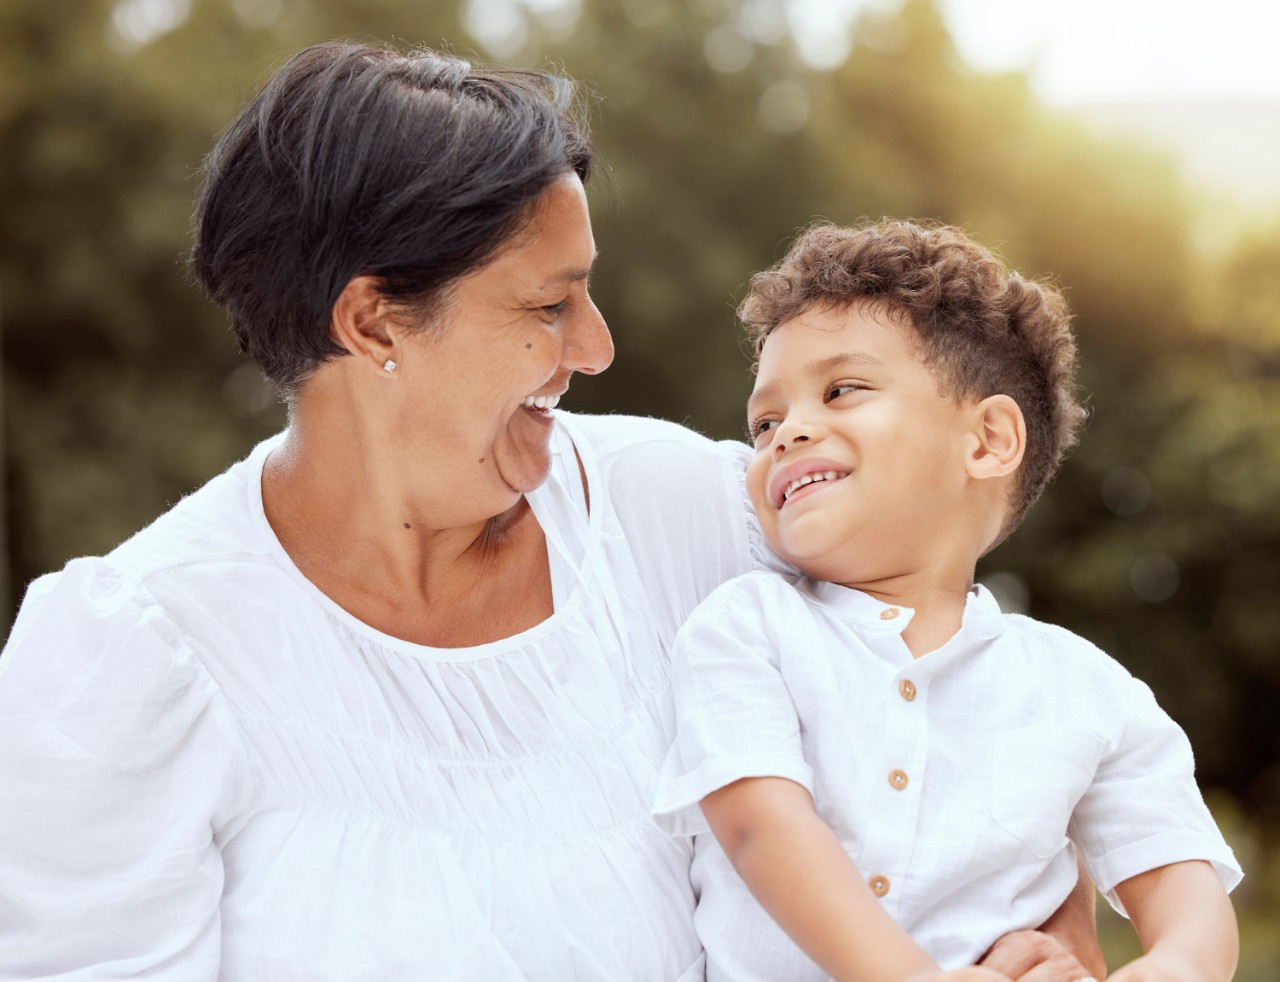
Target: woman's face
{"x": 476, "y": 393}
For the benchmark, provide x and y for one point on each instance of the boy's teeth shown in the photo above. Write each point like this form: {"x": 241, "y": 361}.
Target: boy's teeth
{"x": 808, "y": 479}
{"x": 543, "y": 403}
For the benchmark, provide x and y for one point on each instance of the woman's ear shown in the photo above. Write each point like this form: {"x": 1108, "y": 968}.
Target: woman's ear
{"x": 361, "y": 324}
{"x": 999, "y": 438}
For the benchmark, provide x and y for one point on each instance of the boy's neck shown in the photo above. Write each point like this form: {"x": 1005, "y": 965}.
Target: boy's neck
{"x": 938, "y": 601}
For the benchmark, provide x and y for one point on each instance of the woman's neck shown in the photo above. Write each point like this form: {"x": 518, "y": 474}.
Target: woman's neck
{"x": 375, "y": 550}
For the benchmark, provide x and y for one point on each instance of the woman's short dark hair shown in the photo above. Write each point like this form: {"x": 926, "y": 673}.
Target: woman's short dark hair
{"x": 357, "y": 160}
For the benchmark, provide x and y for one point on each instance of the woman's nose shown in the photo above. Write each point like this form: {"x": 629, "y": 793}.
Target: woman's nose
{"x": 589, "y": 346}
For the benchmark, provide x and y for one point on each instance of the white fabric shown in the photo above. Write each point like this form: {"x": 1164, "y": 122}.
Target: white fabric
{"x": 210, "y": 771}
{"x": 1019, "y": 735}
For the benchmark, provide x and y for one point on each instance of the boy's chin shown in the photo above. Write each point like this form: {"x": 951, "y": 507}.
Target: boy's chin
{"x": 848, "y": 565}
{"x": 816, "y": 564}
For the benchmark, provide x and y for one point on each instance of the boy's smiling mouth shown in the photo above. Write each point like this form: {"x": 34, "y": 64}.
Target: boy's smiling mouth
{"x": 793, "y": 478}
{"x": 795, "y": 486}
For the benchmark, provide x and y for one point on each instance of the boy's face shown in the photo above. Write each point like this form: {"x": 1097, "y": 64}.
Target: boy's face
{"x": 843, "y": 401}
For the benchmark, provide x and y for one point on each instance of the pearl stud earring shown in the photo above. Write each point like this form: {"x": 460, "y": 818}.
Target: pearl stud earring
{"x": 389, "y": 366}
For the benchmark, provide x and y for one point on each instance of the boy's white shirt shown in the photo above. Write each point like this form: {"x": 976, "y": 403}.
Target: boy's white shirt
{"x": 1016, "y": 735}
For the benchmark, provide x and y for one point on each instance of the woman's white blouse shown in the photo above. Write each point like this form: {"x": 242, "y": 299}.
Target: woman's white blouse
{"x": 211, "y": 771}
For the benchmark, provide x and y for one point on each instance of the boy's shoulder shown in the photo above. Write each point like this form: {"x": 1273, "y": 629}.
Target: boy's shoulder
{"x": 755, "y": 604}
{"x": 754, "y": 592}
{"x": 1030, "y": 628}
{"x": 1062, "y": 647}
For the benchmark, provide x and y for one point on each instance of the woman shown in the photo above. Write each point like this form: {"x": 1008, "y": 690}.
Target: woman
{"x": 387, "y": 698}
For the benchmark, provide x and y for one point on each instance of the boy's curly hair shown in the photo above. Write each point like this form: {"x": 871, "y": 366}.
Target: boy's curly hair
{"x": 983, "y": 329}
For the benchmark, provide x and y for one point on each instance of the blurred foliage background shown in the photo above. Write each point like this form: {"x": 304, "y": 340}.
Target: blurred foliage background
{"x": 122, "y": 389}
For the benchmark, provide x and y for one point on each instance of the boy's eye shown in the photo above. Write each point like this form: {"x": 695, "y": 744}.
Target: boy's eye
{"x": 758, "y": 427}
{"x": 844, "y": 388}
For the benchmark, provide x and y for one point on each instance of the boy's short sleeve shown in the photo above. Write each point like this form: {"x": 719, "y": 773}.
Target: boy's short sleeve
{"x": 1144, "y": 809}
{"x": 734, "y": 714}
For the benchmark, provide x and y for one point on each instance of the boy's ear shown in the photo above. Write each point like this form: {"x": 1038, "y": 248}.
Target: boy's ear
{"x": 361, "y": 323}
{"x": 998, "y": 438}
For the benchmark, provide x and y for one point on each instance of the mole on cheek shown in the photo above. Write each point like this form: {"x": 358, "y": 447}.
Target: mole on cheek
{"x": 529, "y": 345}
{"x": 407, "y": 525}
{"x": 482, "y": 460}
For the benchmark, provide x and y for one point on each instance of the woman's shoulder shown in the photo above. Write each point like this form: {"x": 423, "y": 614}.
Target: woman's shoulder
{"x": 93, "y": 653}
{"x": 616, "y": 436}
{"x": 658, "y": 463}
{"x": 685, "y": 492}
{"x": 656, "y": 470}
{"x": 216, "y": 522}
{"x": 90, "y": 610}
{"x": 133, "y": 603}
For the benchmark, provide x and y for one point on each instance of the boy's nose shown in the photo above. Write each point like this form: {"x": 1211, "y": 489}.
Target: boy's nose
{"x": 780, "y": 445}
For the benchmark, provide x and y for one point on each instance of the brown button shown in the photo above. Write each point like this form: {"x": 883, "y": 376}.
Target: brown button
{"x": 898, "y": 779}
{"x": 879, "y": 885}
{"x": 908, "y": 689}
{"x": 889, "y": 613}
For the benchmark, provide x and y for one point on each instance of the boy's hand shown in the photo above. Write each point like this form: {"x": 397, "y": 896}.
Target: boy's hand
{"x": 1033, "y": 956}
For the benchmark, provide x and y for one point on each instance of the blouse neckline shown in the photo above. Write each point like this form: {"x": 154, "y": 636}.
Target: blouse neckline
{"x": 549, "y": 502}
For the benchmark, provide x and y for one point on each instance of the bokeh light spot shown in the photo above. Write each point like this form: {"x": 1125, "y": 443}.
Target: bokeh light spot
{"x": 1010, "y": 590}
{"x": 1126, "y": 490}
{"x": 727, "y": 49}
{"x": 139, "y": 22}
{"x": 497, "y": 24}
{"x": 1154, "y": 578}
{"x": 784, "y": 107}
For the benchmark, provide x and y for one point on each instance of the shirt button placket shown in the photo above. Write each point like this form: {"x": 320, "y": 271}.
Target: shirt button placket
{"x": 905, "y": 739}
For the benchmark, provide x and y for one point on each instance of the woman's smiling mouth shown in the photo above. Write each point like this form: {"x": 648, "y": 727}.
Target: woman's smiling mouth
{"x": 541, "y": 404}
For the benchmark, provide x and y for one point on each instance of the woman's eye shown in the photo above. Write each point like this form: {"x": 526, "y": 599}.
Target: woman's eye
{"x": 555, "y": 309}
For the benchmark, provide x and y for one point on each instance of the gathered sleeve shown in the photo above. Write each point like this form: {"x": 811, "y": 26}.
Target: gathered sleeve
{"x": 761, "y": 555}
{"x": 734, "y": 714}
{"x": 122, "y": 770}
{"x": 1143, "y": 809}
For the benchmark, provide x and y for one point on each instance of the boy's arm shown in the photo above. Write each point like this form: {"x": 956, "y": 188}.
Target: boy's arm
{"x": 1185, "y": 922}
{"x": 799, "y": 872}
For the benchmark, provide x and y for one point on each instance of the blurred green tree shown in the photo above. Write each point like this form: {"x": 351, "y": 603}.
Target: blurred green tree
{"x": 122, "y": 388}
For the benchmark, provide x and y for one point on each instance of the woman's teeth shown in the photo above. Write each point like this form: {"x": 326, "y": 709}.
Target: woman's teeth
{"x": 794, "y": 486}
{"x": 542, "y": 404}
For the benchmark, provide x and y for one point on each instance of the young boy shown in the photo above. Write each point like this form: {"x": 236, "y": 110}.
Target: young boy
{"x": 881, "y": 753}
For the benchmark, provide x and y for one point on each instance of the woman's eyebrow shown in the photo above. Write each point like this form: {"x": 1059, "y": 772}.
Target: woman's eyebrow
{"x": 575, "y": 275}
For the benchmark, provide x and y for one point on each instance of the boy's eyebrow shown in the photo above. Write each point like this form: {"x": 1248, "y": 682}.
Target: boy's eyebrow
{"x": 820, "y": 366}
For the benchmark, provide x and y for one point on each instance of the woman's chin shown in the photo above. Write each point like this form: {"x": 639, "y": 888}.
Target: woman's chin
{"x": 523, "y": 458}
